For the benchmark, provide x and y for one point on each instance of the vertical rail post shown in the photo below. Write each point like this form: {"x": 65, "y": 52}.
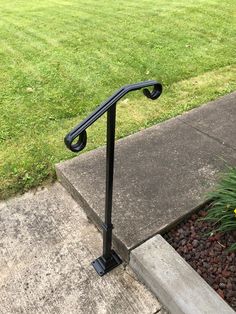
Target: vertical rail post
{"x": 109, "y": 259}
{"x": 110, "y": 150}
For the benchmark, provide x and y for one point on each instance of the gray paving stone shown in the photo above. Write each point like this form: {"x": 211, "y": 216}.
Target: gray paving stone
{"x": 161, "y": 174}
{"x": 169, "y": 276}
{"x": 46, "y": 249}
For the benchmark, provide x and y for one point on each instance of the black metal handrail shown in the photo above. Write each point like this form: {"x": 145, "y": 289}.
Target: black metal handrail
{"x": 80, "y": 129}
{"x": 109, "y": 259}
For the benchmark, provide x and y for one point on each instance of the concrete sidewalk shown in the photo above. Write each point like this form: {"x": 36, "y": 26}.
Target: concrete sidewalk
{"x": 47, "y": 244}
{"x": 46, "y": 249}
{"x": 161, "y": 173}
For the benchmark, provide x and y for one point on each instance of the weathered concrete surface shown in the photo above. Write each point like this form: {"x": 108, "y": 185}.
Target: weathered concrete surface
{"x": 177, "y": 285}
{"x": 161, "y": 174}
{"x": 46, "y": 247}
{"x": 216, "y": 119}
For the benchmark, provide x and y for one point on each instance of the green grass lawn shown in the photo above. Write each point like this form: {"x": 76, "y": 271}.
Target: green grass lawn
{"x": 59, "y": 59}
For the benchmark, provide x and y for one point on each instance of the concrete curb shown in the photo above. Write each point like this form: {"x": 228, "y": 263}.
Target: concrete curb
{"x": 178, "y": 286}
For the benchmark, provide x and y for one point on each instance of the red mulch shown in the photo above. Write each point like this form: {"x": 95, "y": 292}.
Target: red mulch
{"x": 207, "y": 254}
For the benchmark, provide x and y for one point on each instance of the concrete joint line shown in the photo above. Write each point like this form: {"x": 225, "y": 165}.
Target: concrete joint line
{"x": 206, "y": 134}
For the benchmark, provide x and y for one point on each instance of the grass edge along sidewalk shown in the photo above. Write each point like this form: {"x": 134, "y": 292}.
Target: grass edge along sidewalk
{"x": 30, "y": 162}
{"x": 61, "y": 59}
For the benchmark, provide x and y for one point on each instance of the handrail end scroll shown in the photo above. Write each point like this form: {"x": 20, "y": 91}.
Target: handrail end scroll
{"x": 155, "y": 93}
{"x": 79, "y": 145}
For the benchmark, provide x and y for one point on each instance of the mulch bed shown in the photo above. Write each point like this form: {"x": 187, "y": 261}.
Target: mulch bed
{"x": 207, "y": 254}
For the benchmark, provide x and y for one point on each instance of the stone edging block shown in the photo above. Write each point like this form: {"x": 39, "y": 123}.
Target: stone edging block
{"x": 178, "y": 286}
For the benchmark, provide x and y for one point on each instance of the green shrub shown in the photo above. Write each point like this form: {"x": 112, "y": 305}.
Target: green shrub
{"x": 223, "y": 207}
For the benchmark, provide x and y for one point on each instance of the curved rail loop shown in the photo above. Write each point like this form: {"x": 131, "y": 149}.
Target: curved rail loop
{"x": 109, "y": 259}
{"x": 80, "y": 129}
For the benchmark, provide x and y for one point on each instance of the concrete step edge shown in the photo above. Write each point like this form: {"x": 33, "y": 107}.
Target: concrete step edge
{"x": 119, "y": 246}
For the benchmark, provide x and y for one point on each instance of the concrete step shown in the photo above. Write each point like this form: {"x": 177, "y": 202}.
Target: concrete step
{"x": 161, "y": 173}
